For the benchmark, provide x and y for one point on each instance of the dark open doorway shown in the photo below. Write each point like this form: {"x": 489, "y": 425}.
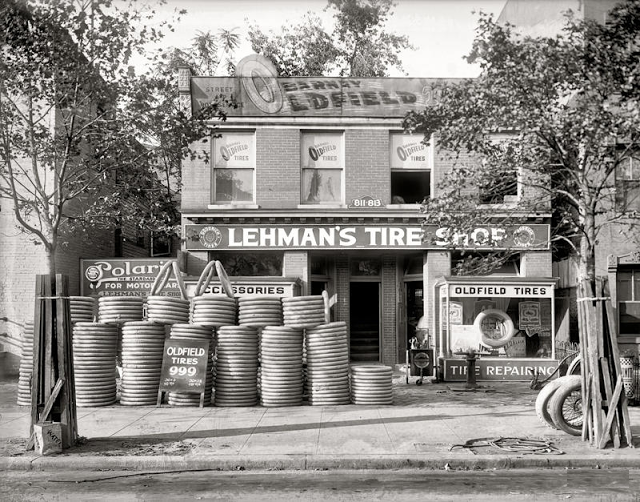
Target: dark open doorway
{"x": 365, "y": 321}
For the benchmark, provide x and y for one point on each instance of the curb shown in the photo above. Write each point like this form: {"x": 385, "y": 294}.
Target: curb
{"x": 310, "y": 463}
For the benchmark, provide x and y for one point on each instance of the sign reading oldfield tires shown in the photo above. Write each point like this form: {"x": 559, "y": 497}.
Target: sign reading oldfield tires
{"x": 184, "y": 366}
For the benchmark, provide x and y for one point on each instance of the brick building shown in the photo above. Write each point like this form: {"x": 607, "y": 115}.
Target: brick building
{"x": 312, "y": 185}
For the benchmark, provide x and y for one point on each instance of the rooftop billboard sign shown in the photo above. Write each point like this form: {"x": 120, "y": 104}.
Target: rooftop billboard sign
{"x": 259, "y": 91}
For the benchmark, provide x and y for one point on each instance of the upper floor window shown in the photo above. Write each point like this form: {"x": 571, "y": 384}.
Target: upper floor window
{"x": 234, "y": 161}
{"x": 501, "y": 184}
{"x": 322, "y": 160}
{"x": 628, "y": 184}
{"x": 628, "y": 292}
{"x": 410, "y": 161}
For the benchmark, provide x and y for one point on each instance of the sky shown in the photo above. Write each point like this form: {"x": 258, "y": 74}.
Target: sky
{"x": 441, "y": 30}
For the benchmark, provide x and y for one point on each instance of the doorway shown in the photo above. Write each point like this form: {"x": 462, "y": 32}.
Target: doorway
{"x": 364, "y": 343}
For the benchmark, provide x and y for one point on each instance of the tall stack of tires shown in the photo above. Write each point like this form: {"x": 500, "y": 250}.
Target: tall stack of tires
{"x": 94, "y": 363}
{"x": 26, "y": 366}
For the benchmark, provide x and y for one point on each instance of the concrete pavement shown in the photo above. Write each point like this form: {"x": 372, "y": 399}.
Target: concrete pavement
{"x": 426, "y": 427}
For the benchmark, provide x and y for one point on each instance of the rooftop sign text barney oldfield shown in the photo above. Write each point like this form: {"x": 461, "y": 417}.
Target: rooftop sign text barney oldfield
{"x": 203, "y": 237}
{"x": 259, "y": 91}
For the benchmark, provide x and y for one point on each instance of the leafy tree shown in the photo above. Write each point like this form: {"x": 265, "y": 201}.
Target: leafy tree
{"x": 566, "y": 110}
{"x": 358, "y": 46}
{"x": 84, "y": 142}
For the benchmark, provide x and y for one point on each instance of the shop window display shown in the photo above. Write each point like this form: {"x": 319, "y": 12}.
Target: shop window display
{"x": 504, "y": 320}
{"x": 410, "y": 161}
{"x": 322, "y": 158}
{"x": 233, "y": 168}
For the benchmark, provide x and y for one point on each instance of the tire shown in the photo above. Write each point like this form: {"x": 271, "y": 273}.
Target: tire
{"x": 574, "y": 367}
{"x": 565, "y": 406}
{"x": 509, "y": 328}
{"x": 542, "y": 402}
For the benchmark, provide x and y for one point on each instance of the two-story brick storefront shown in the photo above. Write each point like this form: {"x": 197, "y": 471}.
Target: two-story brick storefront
{"x": 312, "y": 185}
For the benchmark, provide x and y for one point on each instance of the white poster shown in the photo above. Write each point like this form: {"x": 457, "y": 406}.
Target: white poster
{"x": 322, "y": 151}
{"x": 234, "y": 149}
{"x": 407, "y": 151}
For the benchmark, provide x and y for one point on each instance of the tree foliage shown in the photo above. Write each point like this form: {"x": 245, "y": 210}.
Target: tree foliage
{"x": 84, "y": 143}
{"x": 358, "y": 45}
{"x": 566, "y": 113}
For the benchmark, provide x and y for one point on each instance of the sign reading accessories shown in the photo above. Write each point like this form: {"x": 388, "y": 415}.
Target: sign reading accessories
{"x": 204, "y": 237}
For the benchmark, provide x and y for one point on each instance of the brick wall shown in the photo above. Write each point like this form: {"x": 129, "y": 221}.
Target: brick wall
{"x": 22, "y": 260}
{"x": 278, "y": 168}
{"x": 196, "y": 182}
{"x": 367, "y": 164}
{"x": 389, "y": 337}
{"x": 295, "y": 264}
{"x": 438, "y": 264}
{"x": 341, "y": 307}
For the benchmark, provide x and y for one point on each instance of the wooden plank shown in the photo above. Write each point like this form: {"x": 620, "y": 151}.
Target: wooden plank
{"x": 587, "y": 425}
{"x": 611, "y": 413}
{"x": 596, "y": 393}
{"x": 49, "y": 378}
{"x": 615, "y": 355}
{"x": 36, "y": 374}
{"x": 615, "y": 434}
{"x": 51, "y": 401}
{"x": 65, "y": 362}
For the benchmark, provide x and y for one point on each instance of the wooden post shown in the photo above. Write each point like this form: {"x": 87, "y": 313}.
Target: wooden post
{"x": 53, "y": 359}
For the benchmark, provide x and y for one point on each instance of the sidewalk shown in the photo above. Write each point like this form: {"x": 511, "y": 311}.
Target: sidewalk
{"x": 417, "y": 431}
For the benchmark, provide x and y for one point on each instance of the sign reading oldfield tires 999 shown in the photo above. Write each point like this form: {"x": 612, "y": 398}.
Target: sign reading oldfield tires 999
{"x": 184, "y": 366}
{"x": 123, "y": 277}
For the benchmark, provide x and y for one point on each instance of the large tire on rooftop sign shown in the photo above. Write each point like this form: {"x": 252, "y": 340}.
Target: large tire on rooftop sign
{"x": 565, "y": 406}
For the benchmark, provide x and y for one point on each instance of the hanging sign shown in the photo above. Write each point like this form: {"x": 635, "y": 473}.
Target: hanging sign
{"x": 375, "y": 236}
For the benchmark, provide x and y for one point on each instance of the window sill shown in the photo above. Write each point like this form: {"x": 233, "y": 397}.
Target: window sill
{"x": 321, "y": 206}
{"x": 403, "y": 206}
{"x": 233, "y": 206}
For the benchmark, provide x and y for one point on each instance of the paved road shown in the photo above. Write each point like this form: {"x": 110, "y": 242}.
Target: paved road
{"x": 406, "y": 485}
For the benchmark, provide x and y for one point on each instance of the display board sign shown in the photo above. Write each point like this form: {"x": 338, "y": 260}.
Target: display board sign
{"x": 455, "y": 370}
{"x": 255, "y": 286}
{"x": 376, "y": 236}
{"x": 184, "y": 366}
{"x": 123, "y": 277}
{"x": 501, "y": 290}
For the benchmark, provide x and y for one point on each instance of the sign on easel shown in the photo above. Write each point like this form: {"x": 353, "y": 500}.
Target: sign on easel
{"x": 184, "y": 367}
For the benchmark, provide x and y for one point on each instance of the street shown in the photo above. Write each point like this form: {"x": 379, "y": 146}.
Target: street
{"x": 407, "y": 485}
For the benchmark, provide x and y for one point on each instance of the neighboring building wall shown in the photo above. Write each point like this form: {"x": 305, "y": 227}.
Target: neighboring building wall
{"x": 22, "y": 259}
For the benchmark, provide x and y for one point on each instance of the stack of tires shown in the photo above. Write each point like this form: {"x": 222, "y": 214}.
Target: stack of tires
{"x": 559, "y": 404}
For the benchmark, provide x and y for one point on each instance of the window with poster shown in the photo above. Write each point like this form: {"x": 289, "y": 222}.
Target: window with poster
{"x": 410, "y": 161}
{"x": 322, "y": 164}
{"x": 234, "y": 162}
{"x": 504, "y": 317}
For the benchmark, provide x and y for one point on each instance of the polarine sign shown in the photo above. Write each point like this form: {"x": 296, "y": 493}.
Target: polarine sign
{"x": 203, "y": 237}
